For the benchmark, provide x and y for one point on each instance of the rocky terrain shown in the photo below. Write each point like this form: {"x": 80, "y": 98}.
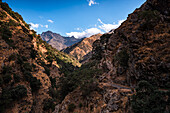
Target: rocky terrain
{"x": 135, "y": 67}
{"x": 82, "y": 50}
{"x": 29, "y": 67}
{"x": 128, "y": 72}
{"x": 57, "y": 41}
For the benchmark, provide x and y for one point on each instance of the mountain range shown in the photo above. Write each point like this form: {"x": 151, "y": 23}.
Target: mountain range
{"x": 82, "y": 50}
{"x": 128, "y": 70}
{"x": 57, "y": 41}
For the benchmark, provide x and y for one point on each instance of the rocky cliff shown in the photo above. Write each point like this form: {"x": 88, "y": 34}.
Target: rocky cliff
{"x": 29, "y": 67}
{"x": 57, "y": 41}
{"x": 82, "y": 50}
{"x": 135, "y": 67}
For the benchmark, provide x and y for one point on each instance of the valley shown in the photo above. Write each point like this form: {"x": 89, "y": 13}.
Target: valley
{"x": 123, "y": 71}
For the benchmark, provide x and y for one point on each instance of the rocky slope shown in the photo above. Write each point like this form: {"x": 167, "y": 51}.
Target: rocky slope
{"x": 135, "y": 67}
{"x": 82, "y": 50}
{"x": 29, "y": 67}
{"x": 57, "y": 41}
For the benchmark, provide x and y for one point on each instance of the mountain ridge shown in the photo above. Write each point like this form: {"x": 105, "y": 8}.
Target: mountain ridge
{"x": 57, "y": 41}
{"x": 82, "y": 50}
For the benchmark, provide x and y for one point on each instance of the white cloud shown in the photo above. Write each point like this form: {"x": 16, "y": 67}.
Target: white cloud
{"x": 108, "y": 27}
{"x": 33, "y": 26}
{"x": 102, "y": 28}
{"x": 86, "y": 33}
{"x": 41, "y": 25}
{"x": 46, "y": 26}
{"x": 50, "y": 21}
{"x": 92, "y": 2}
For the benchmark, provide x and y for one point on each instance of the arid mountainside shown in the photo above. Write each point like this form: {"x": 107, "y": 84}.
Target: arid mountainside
{"x": 29, "y": 67}
{"x": 128, "y": 72}
{"x": 57, "y": 41}
{"x": 134, "y": 64}
{"x": 82, "y": 50}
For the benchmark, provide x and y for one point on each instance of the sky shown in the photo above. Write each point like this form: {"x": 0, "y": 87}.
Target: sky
{"x": 79, "y": 18}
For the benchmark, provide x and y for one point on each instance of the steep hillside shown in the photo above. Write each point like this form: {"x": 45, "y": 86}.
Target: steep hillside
{"x": 82, "y": 50}
{"x": 29, "y": 67}
{"x": 135, "y": 67}
{"x": 57, "y": 41}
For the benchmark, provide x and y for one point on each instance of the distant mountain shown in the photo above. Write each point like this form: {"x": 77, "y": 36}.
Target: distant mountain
{"x": 57, "y": 41}
{"x": 82, "y": 50}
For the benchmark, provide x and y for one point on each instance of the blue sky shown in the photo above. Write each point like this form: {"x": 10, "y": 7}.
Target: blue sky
{"x": 80, "y": 18}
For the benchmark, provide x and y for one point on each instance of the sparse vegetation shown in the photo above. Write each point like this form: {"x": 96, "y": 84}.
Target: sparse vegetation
{"x": 35, "y": 84}
{"x": 150, "y": 17}
{"x": 6, "y": 33}
{"x": 5, "y": 7}
{"x": 149, "y": 99}
{"x": 122, "y": 57}
{"x": 2, "y": 15}
{"x": 49, "y": 104}
{"x": 71, "y": 107}
{"x": 10, "y": 95}
{"x": 84, "y": 76}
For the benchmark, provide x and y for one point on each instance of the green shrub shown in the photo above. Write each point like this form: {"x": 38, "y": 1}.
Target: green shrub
{"x": 16, "y": 78}
{"x": 71, "y": 107}
{"x": 122, "y": 57}
{"x": 1, "y": 81}
{"x": 5, "y": 7}
{"x": 9, "y": 95}
{"x": 7, "y": 78}
{"x": 88, "y": 86}
{"x": 47, "y": 71}
{"x": 18, "y": 92}
{"x": 149, "y": 99}
{"x": 149, "y": 15}
{"x": 12, "y": 57}
{"x": 27, "y": 67}
{"x": 35, "y": 84}
{"x": 80, "y": 105}
{"x": 48, "y": 104}
{"x": 53, "y": 82}
{"x": 6, "y": 33}
{"x": 28, "y": 76}
{"x": 12, "y": 23}
{"x": 53, "y": 93}
{"x": 33, "y": 53}
{"x": 3, "y": 15}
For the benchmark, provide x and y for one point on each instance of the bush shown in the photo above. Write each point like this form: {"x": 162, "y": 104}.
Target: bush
{"x": 35, "y": 84}
{"x": 80, "y": 105}
{"x": 149, "y": 99}
{"x": 12, "y": 23}
{"x": 33, "y": 53}
{"x": 71, "y": 107}
{"x": 7, "y": 78}
{"x": 3, "y": 15}
{"x": 16, "y": 78}
{"x": 28, "y": 76}
{"x": 47, "y": 71}
{"x": 10, "y": 95}
{"x": 6, "y": 33}
{"x": 12, "y": 57}
{"x": 122, "y": 57}
{"x": 53, "y": 82}
{"x": 88, "y": 86}
{"x": 5, "y": 7}
{"x": 48, "y": 104}
{"x": 27, "y": 67}
{"x": 18, "y": 92}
